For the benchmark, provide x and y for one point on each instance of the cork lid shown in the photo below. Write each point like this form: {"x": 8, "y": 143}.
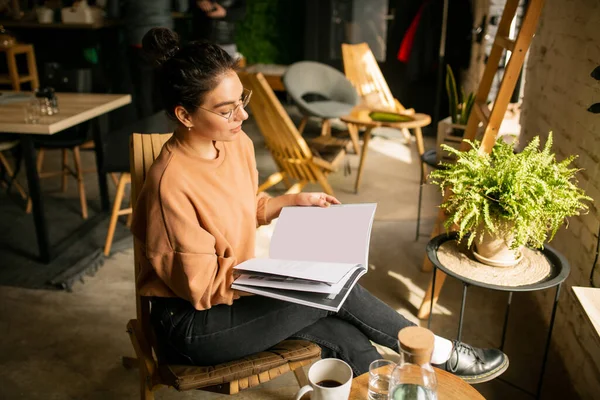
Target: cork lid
{"x": 418, "y": 342}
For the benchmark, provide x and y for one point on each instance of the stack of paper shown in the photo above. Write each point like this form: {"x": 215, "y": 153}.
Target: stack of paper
{"x": 317, "y": 256}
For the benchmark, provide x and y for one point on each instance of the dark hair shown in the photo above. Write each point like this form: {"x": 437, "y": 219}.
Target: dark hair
{"x": 185, "y": 74}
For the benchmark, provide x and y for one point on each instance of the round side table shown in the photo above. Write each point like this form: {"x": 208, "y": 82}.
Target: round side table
{"x": 559, "y": 271}
{"x": 359, "y": 117}
{"x": 450, "y": 387}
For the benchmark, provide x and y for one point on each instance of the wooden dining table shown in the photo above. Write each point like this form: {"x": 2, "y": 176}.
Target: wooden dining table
{"x": 75, "y": 108}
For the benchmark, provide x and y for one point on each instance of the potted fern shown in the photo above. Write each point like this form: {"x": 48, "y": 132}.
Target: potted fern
{"x": 451, "y": 129}
{"x": 505, "y": 200}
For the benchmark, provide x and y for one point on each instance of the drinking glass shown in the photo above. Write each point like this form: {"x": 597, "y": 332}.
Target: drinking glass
{"x": 32, "y": 111}
{"x": 379, "y": 379}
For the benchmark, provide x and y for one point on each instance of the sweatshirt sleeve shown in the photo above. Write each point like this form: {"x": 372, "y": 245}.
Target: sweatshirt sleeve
{"x": 261, "y": 209}
{"x": 183, "y": 253}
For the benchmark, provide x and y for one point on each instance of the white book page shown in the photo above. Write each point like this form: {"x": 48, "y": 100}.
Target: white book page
{"x": 288, "y": 283}
{"x": 317, "y": 271}
{"x": 338, "y": 234}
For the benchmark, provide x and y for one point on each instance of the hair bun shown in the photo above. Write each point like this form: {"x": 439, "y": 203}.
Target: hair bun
{"x": 160, "y": 44}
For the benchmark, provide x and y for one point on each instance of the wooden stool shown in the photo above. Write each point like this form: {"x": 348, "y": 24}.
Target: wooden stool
{"x": 14, "y": 78}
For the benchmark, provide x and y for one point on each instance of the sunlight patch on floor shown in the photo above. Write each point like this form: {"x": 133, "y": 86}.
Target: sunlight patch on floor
{"x": 416, "y": 294}
{"x": 391, "y": 148}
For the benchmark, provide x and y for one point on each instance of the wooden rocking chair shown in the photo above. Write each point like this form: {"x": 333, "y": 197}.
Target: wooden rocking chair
{"x": 295, "y": 158}
{"x": 230, "y": 377}
{"x": 362, "y": 70}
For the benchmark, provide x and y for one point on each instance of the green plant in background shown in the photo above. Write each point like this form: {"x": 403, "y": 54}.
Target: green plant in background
{"x": 459, "y": 108}
{"x": 527, "y": 194}
{"x": 271, "y": 32}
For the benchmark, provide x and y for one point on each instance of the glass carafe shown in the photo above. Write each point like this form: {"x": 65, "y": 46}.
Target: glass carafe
{"x": 414, "y": 378}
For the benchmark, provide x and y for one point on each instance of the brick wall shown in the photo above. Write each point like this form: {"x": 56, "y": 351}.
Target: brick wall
{"x": 558, "y": 91}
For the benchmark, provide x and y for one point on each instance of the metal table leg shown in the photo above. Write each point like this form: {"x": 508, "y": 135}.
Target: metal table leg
{"x": 419, "y": 207}
{"x": 100, "y": 126}
{"x": 506, "y": 320}
{"x": 462, "y": 310}
{"x": 33, "y": 183}
{"x": 432, "y": 295}
{"x": 539, "y": 388}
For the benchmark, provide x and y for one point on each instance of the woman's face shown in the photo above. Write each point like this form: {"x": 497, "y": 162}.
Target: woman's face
{"x": 210, "y": 119}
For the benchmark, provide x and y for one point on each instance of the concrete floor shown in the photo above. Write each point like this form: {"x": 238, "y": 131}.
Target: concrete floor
{"x": 59, "y": 345}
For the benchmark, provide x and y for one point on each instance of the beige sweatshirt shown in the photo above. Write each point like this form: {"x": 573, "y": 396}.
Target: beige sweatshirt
{"x": 195, "y": 219}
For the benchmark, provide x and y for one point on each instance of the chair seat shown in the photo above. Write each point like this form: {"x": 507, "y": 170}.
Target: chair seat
{"x": 327, "y": 108}
{"x": 185, "y": 377}
{"x": 333, "y": 94}
{"x": 63, "y": 140}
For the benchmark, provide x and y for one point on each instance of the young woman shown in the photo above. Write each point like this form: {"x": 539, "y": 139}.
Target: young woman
{"x": 196, "y": 217}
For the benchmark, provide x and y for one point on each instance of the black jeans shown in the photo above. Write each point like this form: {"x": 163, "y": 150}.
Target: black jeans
{"x": 253, "y": 324}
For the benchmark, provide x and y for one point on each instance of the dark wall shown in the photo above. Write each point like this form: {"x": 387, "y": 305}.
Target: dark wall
{"x": 414, "y": 83}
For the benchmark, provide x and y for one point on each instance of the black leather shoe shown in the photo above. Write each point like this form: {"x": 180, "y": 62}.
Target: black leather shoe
{"x": 474, "y": 365}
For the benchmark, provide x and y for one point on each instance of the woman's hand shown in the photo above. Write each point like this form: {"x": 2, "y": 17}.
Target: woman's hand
{"x": 315, "y": 199}
{"x": 275, "y": 204}
{"x": 212, "y": 10}
{"x": 217, "y": 12}
{"x": 204, "y": 5}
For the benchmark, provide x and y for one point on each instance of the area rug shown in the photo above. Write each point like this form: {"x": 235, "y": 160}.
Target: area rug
{"x": 19, "y": 265}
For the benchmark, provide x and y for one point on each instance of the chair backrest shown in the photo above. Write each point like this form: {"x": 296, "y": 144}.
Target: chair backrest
{"x": 306, "y": 77}
{"x": 288, "y": 148}
{"x": 362, "y": 70}
{"x": 144, "y": 148}
{"x": 116, "y": 141}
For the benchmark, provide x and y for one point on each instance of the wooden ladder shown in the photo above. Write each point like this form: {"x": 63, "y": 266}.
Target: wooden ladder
{"x": 490, "y": 120}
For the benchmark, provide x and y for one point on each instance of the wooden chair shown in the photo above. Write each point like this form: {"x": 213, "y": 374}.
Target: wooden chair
{"x": 117, "y": 210}
{"x": 14, "y": 78}
{"x": 65, "y": 171}
{"x": 10, "y": 174}
{"x": 230, "y": 377}
{"x": 295, "y": 158}
{"x": 361, "y": 68}
{"x": 74, "y": 139}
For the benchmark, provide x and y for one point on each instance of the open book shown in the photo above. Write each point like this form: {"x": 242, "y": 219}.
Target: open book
{"x": 316, "y": 256}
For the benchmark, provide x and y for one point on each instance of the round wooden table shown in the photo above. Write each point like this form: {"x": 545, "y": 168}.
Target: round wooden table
{"x": 450, "y": 387}
{"x": 359, "y": 117}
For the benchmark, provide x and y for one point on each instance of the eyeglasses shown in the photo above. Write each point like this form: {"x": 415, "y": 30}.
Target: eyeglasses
{"x": 245, "y": 99}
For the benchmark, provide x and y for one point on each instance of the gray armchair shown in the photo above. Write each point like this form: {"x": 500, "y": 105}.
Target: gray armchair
{"x": 319, "y": 91}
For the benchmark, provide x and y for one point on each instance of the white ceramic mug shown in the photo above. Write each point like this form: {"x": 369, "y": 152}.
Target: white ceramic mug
{"x": 328, "y": 369}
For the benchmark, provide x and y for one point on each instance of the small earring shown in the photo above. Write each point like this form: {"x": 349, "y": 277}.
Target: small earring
{"x": 189, "y": 128}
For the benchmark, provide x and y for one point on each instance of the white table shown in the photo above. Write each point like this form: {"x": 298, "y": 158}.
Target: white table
{"x": 75, "y": 108}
